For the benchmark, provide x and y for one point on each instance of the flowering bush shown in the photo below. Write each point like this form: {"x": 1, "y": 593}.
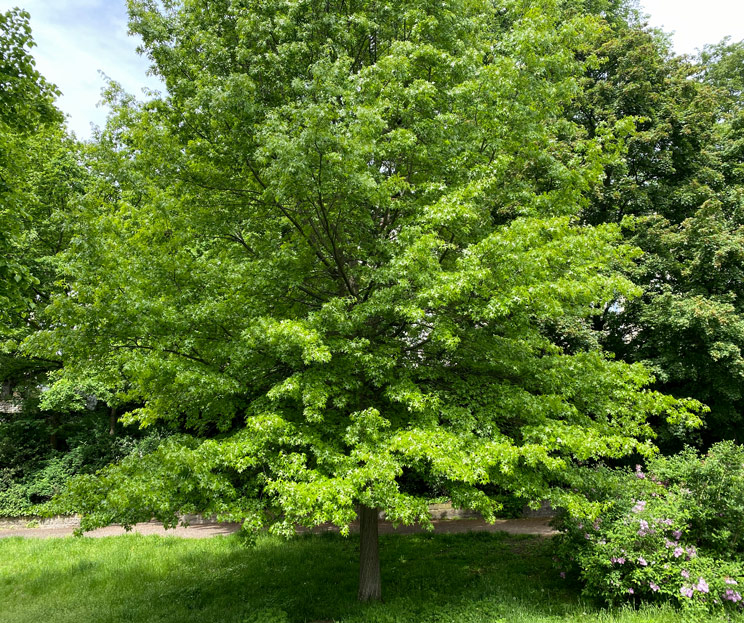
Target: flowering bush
{"x": 672, "y": 531}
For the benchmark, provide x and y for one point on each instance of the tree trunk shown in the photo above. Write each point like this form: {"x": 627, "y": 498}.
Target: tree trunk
{"x": 370, "y": 587}
{"x": 53, "y": 423}
{"x": 112, "y": 421}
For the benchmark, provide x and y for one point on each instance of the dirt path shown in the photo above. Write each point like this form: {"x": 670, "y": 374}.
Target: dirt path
{"x": 204, "y": 530}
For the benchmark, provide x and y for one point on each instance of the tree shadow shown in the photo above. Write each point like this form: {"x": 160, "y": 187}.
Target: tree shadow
{"x": 309, "y": 578}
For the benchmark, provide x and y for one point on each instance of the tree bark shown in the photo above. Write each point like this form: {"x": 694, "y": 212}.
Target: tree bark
{"x": 370, "y": 586}
{"x": 53, "y": 423}
{"x": 112, "y": 421}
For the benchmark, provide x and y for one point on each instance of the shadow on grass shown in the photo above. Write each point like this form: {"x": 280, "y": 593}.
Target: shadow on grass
{"x": 460, "y": 578}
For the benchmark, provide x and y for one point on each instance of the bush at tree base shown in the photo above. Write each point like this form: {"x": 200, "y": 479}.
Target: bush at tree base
{"x": 26, "y": 488}
{"x": 669, "y": 532}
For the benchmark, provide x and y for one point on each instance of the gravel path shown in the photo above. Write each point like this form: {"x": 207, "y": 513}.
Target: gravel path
{"x": 204, "y": 530}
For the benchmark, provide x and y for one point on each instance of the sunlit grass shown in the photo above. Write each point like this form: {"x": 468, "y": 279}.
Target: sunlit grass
{"x": 467, "y": 578}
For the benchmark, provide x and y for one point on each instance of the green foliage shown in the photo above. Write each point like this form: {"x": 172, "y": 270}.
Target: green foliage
{"x": 689, "y": 328}
{"x": 716, "y": 498}
{"x": 33, "y": 472}
{"x": 342, "y": 251}
{"x": 21, "y": 496}
{"x": 671, "y": 533}
{"x": 51, "y": 180}
{"x": 674, "y": 183}
{"x": 26, "y": 98}
{"x": 465, "y": 578}
{"x": 722, "y": 67}
{"x": 26, "y": 109}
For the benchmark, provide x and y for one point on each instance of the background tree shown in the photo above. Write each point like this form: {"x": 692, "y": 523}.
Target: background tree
{"x": 26, "y": 105}
{"x": 335, "y": 251}
{"x": 30, "y": 126}
{"x": 676, "y": 180}
{"x": 45, "y": 435}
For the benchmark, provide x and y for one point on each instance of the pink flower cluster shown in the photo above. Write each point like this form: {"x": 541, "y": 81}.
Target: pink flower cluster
{"x": 644, "y": 529}
{"x": 701, "y": 587}
{"x": 732, "y": 595}
{"x": 679, "y": 550}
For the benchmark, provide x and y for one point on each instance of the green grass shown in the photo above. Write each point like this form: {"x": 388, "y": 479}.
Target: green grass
{"x": 466, "y": 578}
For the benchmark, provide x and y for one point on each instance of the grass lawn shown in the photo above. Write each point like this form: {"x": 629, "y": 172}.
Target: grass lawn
{"x": 465, "y": 578}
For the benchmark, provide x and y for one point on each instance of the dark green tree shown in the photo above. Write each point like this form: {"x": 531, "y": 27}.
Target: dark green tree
{"x": 674, "y": 186}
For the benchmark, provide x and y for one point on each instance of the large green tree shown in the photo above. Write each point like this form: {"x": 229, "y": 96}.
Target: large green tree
{"x": 343, "y": 249}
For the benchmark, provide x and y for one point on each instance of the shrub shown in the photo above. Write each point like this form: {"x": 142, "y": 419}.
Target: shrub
{"x": 670, "y": 532}
{"x": 25, "y": 490}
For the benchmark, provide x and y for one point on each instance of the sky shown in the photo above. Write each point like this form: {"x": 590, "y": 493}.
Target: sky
{"x": 696, "y": 23}
{"x": 77, "y": 39}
